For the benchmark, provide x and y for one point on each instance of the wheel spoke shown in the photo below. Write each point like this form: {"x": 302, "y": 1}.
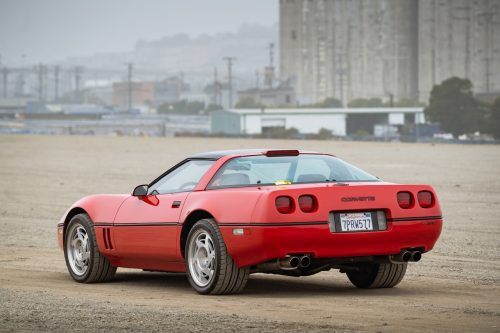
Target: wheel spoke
{"x": 80, "y": 235}
{"x": 211, "y": 256}
{"x": 201, "y": 258}
{"x": 85, "y": 241}
{"x": 85, "y": 255}
{"x": 78, "y": 249}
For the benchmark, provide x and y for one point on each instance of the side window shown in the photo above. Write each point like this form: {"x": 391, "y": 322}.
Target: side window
{"x": 182, "y": 179}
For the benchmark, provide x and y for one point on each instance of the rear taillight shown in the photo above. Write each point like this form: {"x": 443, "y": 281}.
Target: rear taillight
{"x": 307, "y": 203}
{"x": 284, "y": 204}
{"x": 405, "y": 200}
{"x": 425, "y": 199}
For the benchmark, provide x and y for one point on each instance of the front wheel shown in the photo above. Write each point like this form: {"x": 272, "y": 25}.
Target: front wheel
{"x": 210, "y": 268}
{"x": 84, "y": 262}
{"x": 385, "y": 275}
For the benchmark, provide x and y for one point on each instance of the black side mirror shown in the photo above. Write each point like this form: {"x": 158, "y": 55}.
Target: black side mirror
{"x": 140, "y": 191}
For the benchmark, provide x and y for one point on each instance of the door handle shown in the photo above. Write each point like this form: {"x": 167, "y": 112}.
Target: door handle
{"x": 176, "y": 204}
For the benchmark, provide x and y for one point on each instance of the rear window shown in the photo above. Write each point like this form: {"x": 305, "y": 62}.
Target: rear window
{"x": 307, "y": 168}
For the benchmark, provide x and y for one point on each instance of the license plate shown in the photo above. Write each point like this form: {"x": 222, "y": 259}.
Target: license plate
{"x": 372, "y": 220}
{"x": 356, "y": 221}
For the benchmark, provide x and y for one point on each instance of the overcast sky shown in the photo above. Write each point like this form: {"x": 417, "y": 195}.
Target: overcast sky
{"x": 47, "y": 30}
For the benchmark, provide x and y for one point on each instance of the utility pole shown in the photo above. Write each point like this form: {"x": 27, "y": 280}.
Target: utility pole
{"x": 130, "y": 67}
{"x": 56, "y": 83}
{"x": 340, "y": 73}
{"x": 77, "y": 83}
{"x": 5, "y": 80}
{"x": 269, "y": 70}
{"x": 230, "y": 79}
{"x": 216, "y": 87}
{"x": 40, "y": 72}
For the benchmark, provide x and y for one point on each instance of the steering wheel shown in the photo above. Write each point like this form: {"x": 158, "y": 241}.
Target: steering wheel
{"x": 183, "y": 186}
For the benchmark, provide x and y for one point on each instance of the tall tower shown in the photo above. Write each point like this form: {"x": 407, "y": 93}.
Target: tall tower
{"x": 459, "y": 38}
{"x": 349, "y": 49}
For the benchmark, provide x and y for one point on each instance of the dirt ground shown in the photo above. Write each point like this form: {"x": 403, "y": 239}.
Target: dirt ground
{"x": 455, "y": 288}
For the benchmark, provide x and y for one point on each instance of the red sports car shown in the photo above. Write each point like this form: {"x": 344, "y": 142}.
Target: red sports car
{"x": 221, "y": 216}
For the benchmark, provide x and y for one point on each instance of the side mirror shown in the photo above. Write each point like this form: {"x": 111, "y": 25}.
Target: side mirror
{"x": 140, "y": 191}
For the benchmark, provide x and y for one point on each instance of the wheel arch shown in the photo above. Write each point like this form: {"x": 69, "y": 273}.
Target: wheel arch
{"x": 188, "y": 224}
{"x": 72, "y": 213}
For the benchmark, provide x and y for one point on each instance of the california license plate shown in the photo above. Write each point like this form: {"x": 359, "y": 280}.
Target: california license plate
{"x": 361, "y": 221}
{"x": 373, "y": 220}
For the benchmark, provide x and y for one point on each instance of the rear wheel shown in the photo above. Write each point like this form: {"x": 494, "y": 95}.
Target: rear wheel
{"x": 83, "y": 260}
{"x": 210, "y": 268}
{"x": 377, "y": 275}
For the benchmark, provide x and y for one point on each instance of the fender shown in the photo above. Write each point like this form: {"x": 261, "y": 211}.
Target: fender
{"x": 100, "y": 208}
{"x": 225, "y": 205}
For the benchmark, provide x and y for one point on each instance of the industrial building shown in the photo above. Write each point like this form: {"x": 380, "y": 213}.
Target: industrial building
{"x": 349, "y": 49}
{"x": 148, "y": 92}
{"x": 341, "y": 122}
{"x": 283, "y": 95}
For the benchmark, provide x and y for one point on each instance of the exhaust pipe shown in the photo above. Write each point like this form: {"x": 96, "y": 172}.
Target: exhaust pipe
{"x": 291, "y": 262}
{"x": 288, "y": 263}
{"x": 403, "y": 256}
{"x": 416, "y": 256}
{"x": 305, "y": 261}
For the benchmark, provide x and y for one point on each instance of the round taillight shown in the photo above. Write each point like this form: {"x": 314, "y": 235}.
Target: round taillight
{"x": 307, "y": 203}
{"x": 284, "y": 204}
{"x": 405, "y": 200}
{"x": 425, "y": 199}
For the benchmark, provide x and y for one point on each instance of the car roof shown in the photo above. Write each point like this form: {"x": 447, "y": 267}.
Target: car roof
{"x": 242, "y": 152}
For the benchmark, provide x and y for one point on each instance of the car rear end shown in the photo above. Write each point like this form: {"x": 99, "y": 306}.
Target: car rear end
{"x": 338, "y": 221}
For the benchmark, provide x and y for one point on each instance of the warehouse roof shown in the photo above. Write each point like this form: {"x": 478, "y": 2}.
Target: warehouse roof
{"x": 309, "y": 111}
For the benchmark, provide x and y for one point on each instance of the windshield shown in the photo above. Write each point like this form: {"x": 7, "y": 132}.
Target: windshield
{"x": 308, "y": 168}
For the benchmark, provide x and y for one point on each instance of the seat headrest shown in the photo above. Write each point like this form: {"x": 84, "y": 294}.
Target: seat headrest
{"x": 311, "y": 177}
{"x": 234, "y": 179}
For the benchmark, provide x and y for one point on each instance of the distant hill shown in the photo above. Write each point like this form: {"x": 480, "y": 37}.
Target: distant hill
{"x": 195, "y": 57}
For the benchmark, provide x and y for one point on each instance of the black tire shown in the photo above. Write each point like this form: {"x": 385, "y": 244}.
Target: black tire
{"x": 227, "y": 277}
{"x": 98, "y": 267}
{"x": 369, "y": 276}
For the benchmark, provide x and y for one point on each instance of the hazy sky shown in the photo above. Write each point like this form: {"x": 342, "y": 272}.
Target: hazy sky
{"x": 47, "y": 30}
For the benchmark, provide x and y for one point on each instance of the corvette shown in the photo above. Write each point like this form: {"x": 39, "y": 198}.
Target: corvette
{"x": 221, "y": 216}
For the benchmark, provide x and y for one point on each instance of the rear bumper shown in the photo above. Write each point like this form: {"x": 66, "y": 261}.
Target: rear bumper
{"x": 260, "y": 243}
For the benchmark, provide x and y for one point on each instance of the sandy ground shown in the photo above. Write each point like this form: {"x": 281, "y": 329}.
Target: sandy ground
{"x": 455, "y": 288}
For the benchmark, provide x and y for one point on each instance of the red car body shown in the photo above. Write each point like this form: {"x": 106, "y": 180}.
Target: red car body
{"x": 149, "y": 232}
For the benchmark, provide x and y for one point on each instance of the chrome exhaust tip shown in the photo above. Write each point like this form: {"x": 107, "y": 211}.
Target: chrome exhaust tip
{"x": 403, "y": 256}
{"x": 305, "y": 261}
{"x": 406, "y": 256}
{"x": 416, "y": 256}
{"x": 290, "y": 262}
{"x": 294, "y": 261}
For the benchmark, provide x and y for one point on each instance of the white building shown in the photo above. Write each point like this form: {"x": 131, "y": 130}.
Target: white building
{"x": 340, "y": 121}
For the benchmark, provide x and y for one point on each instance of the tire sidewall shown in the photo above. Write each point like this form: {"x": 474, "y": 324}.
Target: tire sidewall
{"x": 207, "y": 227}
{"x": 83, "y": 220}
{"x": 365, "y": 277}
